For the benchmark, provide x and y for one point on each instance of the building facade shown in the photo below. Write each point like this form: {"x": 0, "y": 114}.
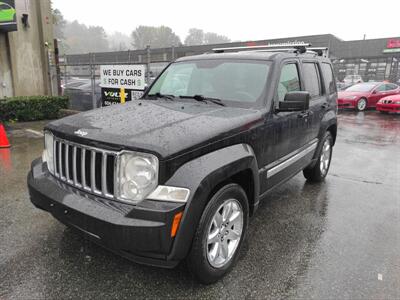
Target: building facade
{"x": 373, "y": 59}
{"x": 26, "y": 49}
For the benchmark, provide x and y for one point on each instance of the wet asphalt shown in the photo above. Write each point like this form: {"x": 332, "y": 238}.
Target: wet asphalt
{"x": 339, "y": 239}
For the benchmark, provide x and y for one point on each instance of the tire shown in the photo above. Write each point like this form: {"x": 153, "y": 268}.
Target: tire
{"x": 207, "y": 259}
{"x": 361, "y": 104}
{"x": 319, "y": 170}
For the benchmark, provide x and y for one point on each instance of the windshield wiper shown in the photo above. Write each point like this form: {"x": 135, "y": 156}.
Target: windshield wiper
{"x": 165, "y": 96}
{"x": 202, "y": 98}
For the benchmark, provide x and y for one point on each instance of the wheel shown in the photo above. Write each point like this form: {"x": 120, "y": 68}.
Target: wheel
{"x": 361, "y": 104}
{"x": 319, "y": 170}
{"x": 220, "y": 234}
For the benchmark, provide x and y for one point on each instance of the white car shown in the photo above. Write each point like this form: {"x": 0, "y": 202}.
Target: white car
{"x": 352, "y": 79}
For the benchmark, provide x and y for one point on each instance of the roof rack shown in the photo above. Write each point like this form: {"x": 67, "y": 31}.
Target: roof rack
{"x": 321, "y": 51}
{"x": 284, "y": 47}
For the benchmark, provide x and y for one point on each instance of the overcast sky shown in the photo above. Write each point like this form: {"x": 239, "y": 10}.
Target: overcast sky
{"x": 242, "y": 20}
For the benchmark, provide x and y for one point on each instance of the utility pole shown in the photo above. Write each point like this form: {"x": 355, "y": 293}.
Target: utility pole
{"x": 148, "y": 63}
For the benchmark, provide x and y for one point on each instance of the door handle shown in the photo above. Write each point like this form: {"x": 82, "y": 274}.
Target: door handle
{"x": 303, "y": 114}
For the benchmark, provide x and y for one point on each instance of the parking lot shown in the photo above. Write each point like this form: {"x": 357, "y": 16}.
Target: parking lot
{"x": 339, "y": 239}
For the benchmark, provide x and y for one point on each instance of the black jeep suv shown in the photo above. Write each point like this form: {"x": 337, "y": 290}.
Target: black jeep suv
{"x": 177, "y": 174}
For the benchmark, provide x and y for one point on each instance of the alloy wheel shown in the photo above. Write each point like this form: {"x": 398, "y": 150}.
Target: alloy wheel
{"x": 225, "y": 232}
{"x": 361, "y": 104}
{"x": 325, "y": 157}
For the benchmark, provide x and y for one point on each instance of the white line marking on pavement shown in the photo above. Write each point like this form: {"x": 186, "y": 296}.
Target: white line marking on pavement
{"x": 380, "y": 277}
{"x": 38, "y": 133}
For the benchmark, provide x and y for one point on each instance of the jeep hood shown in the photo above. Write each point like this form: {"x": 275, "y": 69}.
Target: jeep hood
{"x": 162, "y": 127}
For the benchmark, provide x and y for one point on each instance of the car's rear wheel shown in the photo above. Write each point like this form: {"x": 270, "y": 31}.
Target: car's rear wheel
{"x": 361, "y": 104}
{"x": 220, "y": 234}
{"x": 319, "y": 170}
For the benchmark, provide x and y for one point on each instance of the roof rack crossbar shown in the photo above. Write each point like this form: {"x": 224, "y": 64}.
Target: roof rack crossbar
{"x": 271, "y": 46}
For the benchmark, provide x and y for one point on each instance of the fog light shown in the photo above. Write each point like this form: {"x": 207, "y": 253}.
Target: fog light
{"x": 170, "y": 193}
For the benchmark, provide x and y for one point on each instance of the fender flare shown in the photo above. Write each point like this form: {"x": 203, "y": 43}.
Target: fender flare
{"x": 201, "y": 175}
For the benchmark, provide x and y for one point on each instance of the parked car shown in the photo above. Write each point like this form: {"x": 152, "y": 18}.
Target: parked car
{"x": 365, "y": 95}
{"x": 73, "y": 83}
{"x": 80, "y": 94}
{"x": 352, "y": 79}
{"x": 389, "y": 104}
{"x": 341, "y": 86}
{"x": 177, "y": 174}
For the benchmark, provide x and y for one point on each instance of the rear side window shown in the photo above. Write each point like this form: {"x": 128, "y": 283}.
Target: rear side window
{"x": 390, "y": 86}
{"x": 289, "y": 80}
{"x": 328, "y": 78}
{"x": 311, "y": 79}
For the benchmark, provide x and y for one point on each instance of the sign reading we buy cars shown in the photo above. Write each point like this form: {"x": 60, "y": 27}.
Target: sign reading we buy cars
{"x": 120, "y": 83}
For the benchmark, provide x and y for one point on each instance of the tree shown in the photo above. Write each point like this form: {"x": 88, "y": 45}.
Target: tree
{"x": 165, "y": 37}
{"x": 213, "y": 38}
{"x": 119, "y": 41}
{"x": 194, "y": 37}
{"x": 82, "y": 39}
{"x": 198, "y": 37}
{"x": 156, "y": 37}
{"x": 59, "y": 24}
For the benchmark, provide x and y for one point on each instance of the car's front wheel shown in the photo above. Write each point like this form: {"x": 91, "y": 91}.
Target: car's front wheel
{"x": 220, "y": 234}
{"x": 361, "y": 104}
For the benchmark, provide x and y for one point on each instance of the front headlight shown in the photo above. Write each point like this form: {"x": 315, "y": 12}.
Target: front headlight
{"x": 137, "y": 176}
{"x": 48, "y": 152}
{"x": 350, "y": 97}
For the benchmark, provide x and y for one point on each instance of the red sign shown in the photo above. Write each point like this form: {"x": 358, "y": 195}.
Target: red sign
{"x": 251, "y": 44}
{"x": 393, "y": 43}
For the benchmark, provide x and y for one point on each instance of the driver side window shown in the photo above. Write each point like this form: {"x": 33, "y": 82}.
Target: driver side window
{"x": 289, "y": 80}
{"x": 381, "y": 88}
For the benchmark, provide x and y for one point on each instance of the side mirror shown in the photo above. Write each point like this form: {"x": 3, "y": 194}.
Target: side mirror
{"x": 375, "y": 92}
{"x": 295, "y": 101}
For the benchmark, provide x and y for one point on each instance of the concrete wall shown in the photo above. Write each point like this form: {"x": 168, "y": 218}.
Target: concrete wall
{"x": 28, "y": 61}
{"x": 6, "y": 84}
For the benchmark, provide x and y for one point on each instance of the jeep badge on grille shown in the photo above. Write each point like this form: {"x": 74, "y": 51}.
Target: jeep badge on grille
{"x": 80, "y": 132}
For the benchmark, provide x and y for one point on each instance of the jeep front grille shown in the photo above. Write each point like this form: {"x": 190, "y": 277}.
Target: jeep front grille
{"x": 87, "y": 168}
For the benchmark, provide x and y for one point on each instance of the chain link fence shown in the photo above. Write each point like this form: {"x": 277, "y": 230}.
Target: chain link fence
{"x": 80, "y": 74}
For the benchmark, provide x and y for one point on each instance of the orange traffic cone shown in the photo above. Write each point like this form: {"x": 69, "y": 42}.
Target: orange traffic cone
{"x": 5, "y": 161}
{"x": 4, "y": 143}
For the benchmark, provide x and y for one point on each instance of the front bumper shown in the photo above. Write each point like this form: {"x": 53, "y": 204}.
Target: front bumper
{"x": 138, "y": 232}
{"x": 388, "y": 107}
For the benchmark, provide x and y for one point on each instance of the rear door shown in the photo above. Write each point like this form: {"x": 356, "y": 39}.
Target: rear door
{"x": 377, "y": 94}
{"x": 318, "y": 99}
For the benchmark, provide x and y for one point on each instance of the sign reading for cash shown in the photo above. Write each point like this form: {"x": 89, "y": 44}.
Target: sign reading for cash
{"x": 121, "y": 83}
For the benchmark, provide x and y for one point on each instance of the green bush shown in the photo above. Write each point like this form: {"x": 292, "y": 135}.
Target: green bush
{"x": 32, "y": 108}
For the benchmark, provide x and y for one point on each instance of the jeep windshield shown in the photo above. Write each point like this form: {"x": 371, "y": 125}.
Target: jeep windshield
{"x": 233, "y": 82}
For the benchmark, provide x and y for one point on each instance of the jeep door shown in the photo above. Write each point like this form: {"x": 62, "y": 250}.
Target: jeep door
{"x": 318, "y": 99}
{"x": 285, "y": 134}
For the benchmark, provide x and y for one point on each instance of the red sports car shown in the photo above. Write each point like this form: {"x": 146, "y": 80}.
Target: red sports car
{"x": 389, "y": 104}
{"x": 364, "y": 95}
